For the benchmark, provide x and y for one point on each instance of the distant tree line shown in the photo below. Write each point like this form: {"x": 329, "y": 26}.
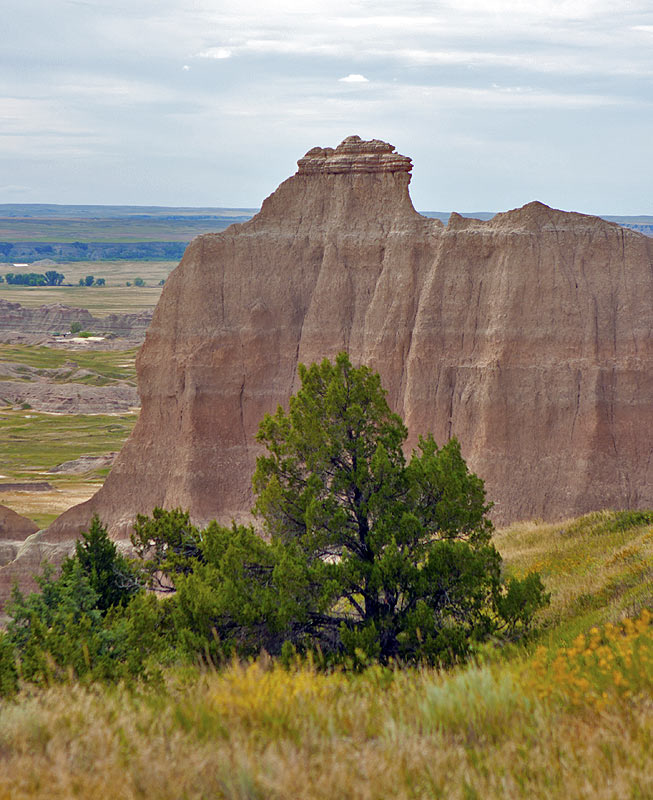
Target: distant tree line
{"x": 53, "y": 278}
{"x": 91, "y": 251}
{"x": 50, "y": 278}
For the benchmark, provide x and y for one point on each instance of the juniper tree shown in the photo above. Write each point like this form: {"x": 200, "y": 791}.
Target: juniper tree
{"x": 367, "y": 554}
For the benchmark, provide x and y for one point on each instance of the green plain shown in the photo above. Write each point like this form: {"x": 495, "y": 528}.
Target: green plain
{"x": 109, "y": 364}
{"x": 33, "y": 442}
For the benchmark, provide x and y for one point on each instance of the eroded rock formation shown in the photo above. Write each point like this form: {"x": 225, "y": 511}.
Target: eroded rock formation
{"x": 18, "y": 321}
{"x": 529, "y": 337}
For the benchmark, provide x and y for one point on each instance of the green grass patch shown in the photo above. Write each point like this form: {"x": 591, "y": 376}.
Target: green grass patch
{"x": 34, "y": 442}
{"x": 598, "y": 567}
{"x": 108, "y": 364}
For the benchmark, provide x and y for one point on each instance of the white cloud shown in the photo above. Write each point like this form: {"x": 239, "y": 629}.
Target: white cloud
{"x": 354, "y": 77}
{"x": 215, "y": 52}
{"x": 108, "y": 76}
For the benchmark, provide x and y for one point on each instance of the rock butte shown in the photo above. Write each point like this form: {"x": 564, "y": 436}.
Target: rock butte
{"x": 529, "y": 337}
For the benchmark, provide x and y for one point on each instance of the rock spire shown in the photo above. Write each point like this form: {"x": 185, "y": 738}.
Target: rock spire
{"x": 529, "y": 337}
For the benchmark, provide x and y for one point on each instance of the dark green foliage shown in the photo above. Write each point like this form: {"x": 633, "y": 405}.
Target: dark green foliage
{"x": 8, "y": 671}
{"x": 243, "y": 595}
{"x": 368, "y": 556}
{"x": 75, "y": 327}
{"x": 169, "y": 546}
{"x": 54, "y": 278}
{"x": 60, "y": 630}
{"x": 26, "y": 279}
{"x": 82, "y": 623}
{"x": 89, "y": 280}
{"x": 519, "y": 601}
{"x": 109, "y": 574}
{"x": 623, "y": 520}
{"x": 412, "y": 565}
{"x": 100, "y": 281}
{"x": 139, "y": 282}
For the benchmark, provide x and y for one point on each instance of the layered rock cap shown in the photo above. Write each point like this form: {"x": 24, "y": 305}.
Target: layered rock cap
{"x": 529, "y": 337}
{"x": 353, "y": 155}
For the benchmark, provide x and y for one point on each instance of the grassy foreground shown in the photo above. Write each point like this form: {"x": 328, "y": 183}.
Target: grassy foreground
{"x": 570, "y": 716}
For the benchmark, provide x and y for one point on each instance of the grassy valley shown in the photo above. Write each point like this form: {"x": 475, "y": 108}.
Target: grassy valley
{"x": 33, "y": 442}
{"x": 113, "y": 298}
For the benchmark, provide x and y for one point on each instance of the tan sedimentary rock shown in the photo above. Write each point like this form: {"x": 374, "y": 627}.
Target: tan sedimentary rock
{"x": 529, "y": 337}
{"x": 14, "y": 527}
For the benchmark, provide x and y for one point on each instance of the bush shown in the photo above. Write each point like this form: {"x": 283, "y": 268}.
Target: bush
{"x": 80, "y": 623}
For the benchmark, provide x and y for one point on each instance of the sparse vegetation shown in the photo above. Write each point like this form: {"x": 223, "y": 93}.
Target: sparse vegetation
{"x": 115, "y": 297}
{"x": 33, "y": 442}
{"x": 113, "y": 364}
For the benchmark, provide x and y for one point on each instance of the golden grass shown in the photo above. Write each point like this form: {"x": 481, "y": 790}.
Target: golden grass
{"x": 571, "y": 717}
{"x": 259, "y": 731}
{"x": 598, "y": 568}
{"x": 45, "y": 507}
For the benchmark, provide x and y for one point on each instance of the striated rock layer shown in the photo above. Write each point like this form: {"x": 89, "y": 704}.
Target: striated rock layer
{"x": 529, "y": 337}
{"x": 56, "y": 317}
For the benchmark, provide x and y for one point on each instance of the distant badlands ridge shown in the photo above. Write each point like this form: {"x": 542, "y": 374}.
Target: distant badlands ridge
{"x": 18, "y": 322}
{"x": 528, "y": 336}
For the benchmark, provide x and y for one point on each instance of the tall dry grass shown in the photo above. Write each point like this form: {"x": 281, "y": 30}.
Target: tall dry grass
{"x": 260, "y": 731}
{"x": 567, "y": 718}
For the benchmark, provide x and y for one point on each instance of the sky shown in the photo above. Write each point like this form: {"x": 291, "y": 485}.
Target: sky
{"x": 211, "y": 103}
